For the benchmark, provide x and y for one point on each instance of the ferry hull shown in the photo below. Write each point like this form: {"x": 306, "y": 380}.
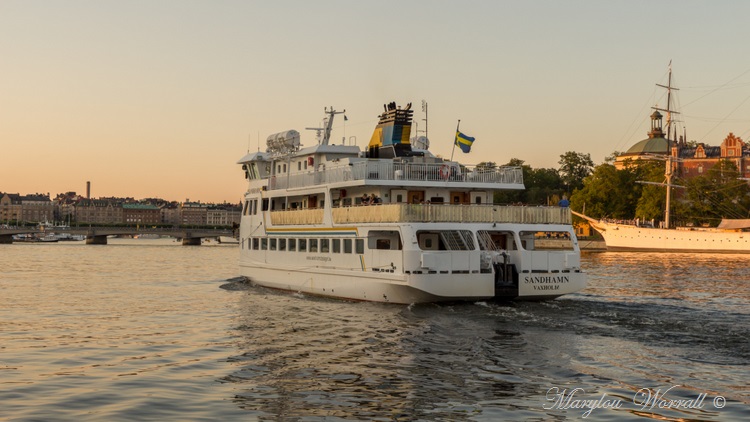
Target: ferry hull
{"x": 411, "y": 288}
{"x": 361, "y": 287}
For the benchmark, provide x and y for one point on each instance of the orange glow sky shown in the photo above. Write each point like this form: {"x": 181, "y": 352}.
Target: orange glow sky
{"x": 161, "y": 98}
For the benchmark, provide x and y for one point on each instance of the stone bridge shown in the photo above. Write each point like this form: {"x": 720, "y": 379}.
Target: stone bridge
{"x": 98, "y": 235}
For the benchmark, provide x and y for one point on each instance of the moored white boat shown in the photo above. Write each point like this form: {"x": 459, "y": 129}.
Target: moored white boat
{"x": 395, "y": 224}
{"x": 732, "y": 236}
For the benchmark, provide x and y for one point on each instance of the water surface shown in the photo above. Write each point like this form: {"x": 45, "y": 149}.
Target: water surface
{"x": 143, "y": 330}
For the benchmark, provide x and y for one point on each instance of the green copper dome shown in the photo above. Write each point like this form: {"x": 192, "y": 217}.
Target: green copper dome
{"x": 650, "y": 146}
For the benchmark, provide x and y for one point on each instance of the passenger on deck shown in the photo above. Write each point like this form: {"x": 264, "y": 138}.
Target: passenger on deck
{"x": 365, "y": 199}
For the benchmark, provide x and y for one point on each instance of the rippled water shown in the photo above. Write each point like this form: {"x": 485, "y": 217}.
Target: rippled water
{"x": 143, "y": 330}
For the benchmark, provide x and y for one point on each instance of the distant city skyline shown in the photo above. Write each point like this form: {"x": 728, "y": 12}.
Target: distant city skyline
{"x": 160, "y": 99}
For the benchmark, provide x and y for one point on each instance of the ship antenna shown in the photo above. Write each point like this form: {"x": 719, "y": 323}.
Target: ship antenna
{"x": 324, "y": 133}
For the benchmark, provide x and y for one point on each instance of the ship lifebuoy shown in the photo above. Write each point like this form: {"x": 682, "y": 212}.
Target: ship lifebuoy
{"x": 445, "y": 171}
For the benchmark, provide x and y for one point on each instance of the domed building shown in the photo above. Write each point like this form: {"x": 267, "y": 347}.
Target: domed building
{"x": 655, "y": 144}
{"x": 691, "y": 159}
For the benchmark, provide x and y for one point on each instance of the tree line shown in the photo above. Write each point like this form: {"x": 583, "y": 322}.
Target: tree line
{"x": 603, "y": 191}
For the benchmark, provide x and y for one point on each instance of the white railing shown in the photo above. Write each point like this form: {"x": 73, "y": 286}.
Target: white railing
{"x": 390, "y": 170}
{"x": 395, "y": 213}
{"x": 297, "y": 217}
{"x": 425, "y": 213}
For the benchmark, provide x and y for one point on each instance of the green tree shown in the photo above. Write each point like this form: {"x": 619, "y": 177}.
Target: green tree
{"x": 510, "y": 197}
{"x": 608, "y": 192}
{"x": 715, "y": 195}
{"x": 574, "y": 167}
{"x": 486, "y": 165}
{"x": 653, "y": 198}
{"x": 542, "y": 186}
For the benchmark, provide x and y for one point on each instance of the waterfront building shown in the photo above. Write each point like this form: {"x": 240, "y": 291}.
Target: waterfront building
{"x": 26, "y": 208}
{"x": 193, "y": 213}
{"x": 170, "y": 213}
{"x": 98, "y": 211}
{"x": 223, "y": 215}
{"x": 139, "y": 213}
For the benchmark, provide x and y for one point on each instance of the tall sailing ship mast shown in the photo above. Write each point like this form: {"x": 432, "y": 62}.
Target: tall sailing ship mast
{"x": 668, "y": 173}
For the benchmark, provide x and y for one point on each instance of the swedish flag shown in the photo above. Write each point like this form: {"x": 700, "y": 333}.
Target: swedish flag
{"x": 464, "y": 142}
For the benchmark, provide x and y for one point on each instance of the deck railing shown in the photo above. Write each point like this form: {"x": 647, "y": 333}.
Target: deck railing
{"x": 389, "y": 170}
{"x": 421, "y": 213}
{"x": 297, "y": 217}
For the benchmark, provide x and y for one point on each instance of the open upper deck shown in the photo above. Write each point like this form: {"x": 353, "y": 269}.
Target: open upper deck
{"x": 408, "y": 173}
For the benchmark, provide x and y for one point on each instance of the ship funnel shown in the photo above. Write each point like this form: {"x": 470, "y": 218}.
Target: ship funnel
{"x": 391, "y": 136}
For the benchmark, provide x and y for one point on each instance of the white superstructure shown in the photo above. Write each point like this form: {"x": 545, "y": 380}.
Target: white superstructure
{"x": 392, "y": 224}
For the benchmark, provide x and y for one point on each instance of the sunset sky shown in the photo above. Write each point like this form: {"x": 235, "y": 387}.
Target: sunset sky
{"x": 160, "y": 98}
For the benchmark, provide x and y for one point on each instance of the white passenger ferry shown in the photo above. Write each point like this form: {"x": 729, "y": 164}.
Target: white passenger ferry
{"x": 395, "y": 223}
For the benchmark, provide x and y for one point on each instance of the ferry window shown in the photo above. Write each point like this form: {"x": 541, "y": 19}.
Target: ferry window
{"x": 244, "y": 208}
{"x": 305, "y": 165}
{"x": 292, "y": 245}
{"x": 428, "y": 241}
{"x": 265, "y": 204}
{"x": 302, "y": 245}
{"x": 313, "y": 245}
{"x": 255, "y": 243}
{"x": 347, "y": 246}
{"x": 264, "y": 244}
{"x": 347, "y": 202}
{"x": 478, "y": 200}
{"x": 399, "y": 198}
{"x": 299, "y": 165}
{"x": 282, "y": 244}
{"x": 384, "y": 239}
{"x": 284, "y": 168}
{"x": 278, "y": 168}
{"x": 496, "y": 240}
{"x": 557, "y": 240}
{"x": 336, "y": 244}
{"x": 273, "y": 244}
{"x": 437, "y": 200}
{"x": 446, "y": 240}
{"x": 324, "y": 245}
{"x": 360, "y": 246}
